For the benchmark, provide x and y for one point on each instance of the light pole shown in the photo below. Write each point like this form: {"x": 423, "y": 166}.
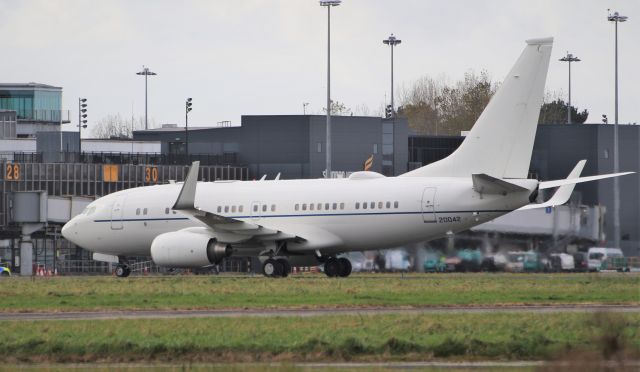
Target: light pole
{"x": 82, "y": 122}
{"x": 329, "y": 4}
{"x": 392, "y": 41}
{"x": 146, "y": 72}
{"x": 187, "y": 109}
{"x": 569, "y": 58}
{"x": 615, "y": 18}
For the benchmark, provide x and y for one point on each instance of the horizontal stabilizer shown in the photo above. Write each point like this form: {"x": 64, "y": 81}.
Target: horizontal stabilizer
{"x": 563, "y": 193}
{"x": 485, "y": 184}
{"x": 556, "y": 183}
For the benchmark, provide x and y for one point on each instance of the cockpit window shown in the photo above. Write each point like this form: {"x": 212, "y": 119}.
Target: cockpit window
{"x": 88, "y": 211}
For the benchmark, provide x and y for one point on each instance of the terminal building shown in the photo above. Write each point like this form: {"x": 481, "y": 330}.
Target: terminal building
{"x": 46, "y": 180}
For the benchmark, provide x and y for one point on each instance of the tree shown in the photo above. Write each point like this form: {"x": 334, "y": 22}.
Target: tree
{"x": 114, "y": 126}
{"x": 555, "y": 112}
{"x": 338, "y": 108}
{"x": 437, "y": 107}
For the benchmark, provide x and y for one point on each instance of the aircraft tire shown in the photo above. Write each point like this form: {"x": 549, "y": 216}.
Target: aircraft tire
{"x": 272, "y": 268}
{"x": 331, "y": 267}
{"x": 286, "y": 267}
{"x": 122, "y": 271}
{"x": 344, "y": 267}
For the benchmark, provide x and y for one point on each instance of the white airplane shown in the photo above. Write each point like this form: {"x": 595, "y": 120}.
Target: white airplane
{"x": 310, "y": 222}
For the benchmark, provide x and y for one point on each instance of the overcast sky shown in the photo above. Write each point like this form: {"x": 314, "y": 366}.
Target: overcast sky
{"x": 239, "y": 57}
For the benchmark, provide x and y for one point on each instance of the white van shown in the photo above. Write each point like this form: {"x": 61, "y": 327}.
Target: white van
{"x": 598, "y": 254}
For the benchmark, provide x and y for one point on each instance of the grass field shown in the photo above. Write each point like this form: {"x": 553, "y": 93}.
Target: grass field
{"x": 367, "y": 337}
{"x": 208, "y": 292}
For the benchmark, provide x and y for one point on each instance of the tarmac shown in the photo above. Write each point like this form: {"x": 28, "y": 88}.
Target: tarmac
{"x": 270, "y": 313}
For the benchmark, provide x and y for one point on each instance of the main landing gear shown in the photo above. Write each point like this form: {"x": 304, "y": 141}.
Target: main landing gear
{"x": 337, "y": 267}
{"x": 276, "y": 267}
{"x": 123, "y": 270}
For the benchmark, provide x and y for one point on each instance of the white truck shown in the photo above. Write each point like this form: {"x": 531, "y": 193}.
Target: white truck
{"x": 597, "y": 255}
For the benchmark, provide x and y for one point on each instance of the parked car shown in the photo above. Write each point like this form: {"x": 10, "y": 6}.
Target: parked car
{"x": 561, "y": 262}
{"x": 470, "y": 260}
{"x": 581, "y": 261}
{"x": 597, "y": 255}
{"x": 397, "y": 260}
{"x": 515, "y": 262}
{"x": 534, "y": 262}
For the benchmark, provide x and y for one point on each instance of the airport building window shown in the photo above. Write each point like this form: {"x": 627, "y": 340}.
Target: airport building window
{"x": 388, "y": 205}
{"x": 138, "y": 212}
{"x": 319, "y": 147}
{"x": 341, "y": 205}
{"x": 357, "y": 205}
{"x": 375, "y": 148}
{"x": 395, "y": 204}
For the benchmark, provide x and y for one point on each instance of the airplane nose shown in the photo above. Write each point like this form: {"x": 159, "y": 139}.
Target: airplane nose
{"x": 68, "y": 230}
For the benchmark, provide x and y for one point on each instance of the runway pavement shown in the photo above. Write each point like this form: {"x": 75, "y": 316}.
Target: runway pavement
{"x": 267, "y": 313}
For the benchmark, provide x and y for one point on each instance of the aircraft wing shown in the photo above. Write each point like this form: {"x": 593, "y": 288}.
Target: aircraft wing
{"x": 232, "y": 228}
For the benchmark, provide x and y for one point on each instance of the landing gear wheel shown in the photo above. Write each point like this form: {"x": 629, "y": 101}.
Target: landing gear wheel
{"x": 272, "y": 268}
{"x": 123, "y": 271}
{"x": 331, "y": 267}
{"x": 344, "y": 267}
{"x": 286, "y": 267}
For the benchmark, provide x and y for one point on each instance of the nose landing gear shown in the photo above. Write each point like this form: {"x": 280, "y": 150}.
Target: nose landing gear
{"x": 123, "y": 271}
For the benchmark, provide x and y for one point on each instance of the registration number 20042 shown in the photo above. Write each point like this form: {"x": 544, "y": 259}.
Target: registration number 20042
{"x": 449, "y": 219}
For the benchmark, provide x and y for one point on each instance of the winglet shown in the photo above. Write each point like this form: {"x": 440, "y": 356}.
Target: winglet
{"x": 563, "y": 193}
{"x": 187, "y": 196}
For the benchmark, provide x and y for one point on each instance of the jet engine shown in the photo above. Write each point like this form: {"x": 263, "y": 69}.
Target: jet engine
{"x": 187, "y": 249}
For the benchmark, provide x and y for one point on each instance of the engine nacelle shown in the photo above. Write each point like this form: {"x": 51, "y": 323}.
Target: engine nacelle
{"x": 187, "y": 249}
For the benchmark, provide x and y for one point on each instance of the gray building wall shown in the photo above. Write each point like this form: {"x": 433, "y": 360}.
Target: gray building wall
{"x": 288, "y": 144}
{"x": 50, "y": 144}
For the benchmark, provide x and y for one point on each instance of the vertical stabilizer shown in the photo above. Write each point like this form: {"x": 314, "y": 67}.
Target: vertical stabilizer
{"x": 501, "y": 141}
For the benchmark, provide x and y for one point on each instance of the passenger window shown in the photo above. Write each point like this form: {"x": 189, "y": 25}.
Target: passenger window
{"x": 255, "y": 208}
{"x": 388, "y": 205}
{"x": 395, "y": 204}
{"x": 373, "y": 205}
{"x": 357, "y": 205}
{"x": 264, "y": 207}
{"x": 335, "y": 206}
{"x": 297, "y": 206}
{"x": 144, "y": 211}
{"x": 304, "y": 207}
{"x": 379, "y": 205}
{"x": 319, "y": 206}
{"x": 233, "y": 209}
{"x": 326, "y": 206}
{"x": 273, "y": 207}
{"x": 364, "y": 205}
{"x": 341, "y": 205}
{"x": 240, "y": 209}
{"x": 138, "y": 212}
{"x": 166, "y": 210}
{"x": 226, "y": 209}
{"x": 219, "y": 209}
{"x": 311, "y": 206}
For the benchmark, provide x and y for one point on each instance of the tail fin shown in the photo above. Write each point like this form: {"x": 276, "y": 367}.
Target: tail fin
{"x": 501, "y": 141}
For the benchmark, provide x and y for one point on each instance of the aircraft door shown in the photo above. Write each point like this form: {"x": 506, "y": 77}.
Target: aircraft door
{"x": 256, "y": 210}
{"x": 117, "y": 213}
{"x": 429, "y": 205}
